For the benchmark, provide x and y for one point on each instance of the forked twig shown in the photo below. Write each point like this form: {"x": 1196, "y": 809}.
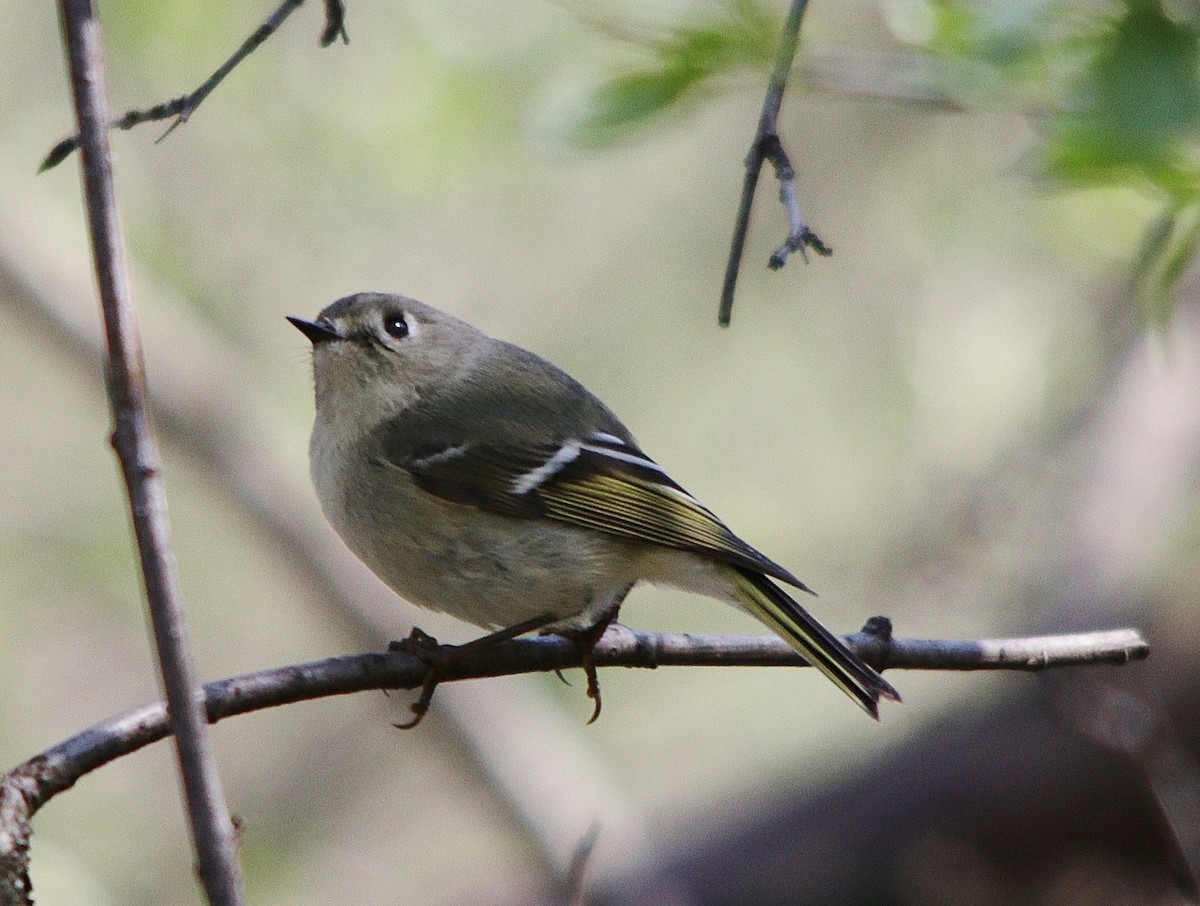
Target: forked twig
{"x": 181, "y": 108}
{"x": 767, "y": 147}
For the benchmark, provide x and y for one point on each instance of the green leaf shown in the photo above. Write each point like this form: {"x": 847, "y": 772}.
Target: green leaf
{"x": 1167, "y": 248}
{"x": 688, "y": 57}
{"x": 624, "y": 103}
{"x": 1135, "y": 112}
{"x": 999, "y": 34}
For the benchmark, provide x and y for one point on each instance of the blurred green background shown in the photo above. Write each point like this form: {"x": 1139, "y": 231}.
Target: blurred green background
{"x": 979, "y": 417}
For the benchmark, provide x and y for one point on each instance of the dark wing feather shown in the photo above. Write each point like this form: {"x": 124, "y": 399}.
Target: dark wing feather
{"x": 602, "y": 483}
{"x": 818, "y": 645}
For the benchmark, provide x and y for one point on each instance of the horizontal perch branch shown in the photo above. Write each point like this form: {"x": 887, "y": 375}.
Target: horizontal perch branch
{"x": 29, "y": 786}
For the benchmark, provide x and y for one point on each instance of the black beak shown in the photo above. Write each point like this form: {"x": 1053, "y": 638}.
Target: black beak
{"x": 316, "y": 331}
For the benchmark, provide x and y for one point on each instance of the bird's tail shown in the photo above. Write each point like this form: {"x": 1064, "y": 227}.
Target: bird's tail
{"x": 820, "y": 647}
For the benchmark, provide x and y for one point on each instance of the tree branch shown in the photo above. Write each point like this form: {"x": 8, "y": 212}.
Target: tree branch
{"x": 767, "y": 147}
{"x": 210, "y": 417}
{"x": 29, "y": 786}
{"x": 137, "y": 451}
{"x": 181, "y": 108}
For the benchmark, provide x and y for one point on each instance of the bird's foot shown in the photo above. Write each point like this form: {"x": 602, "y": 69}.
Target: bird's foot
{"x": 586, "y": 640}
{"x": 434, "y": 656}
{"x": 438, "y": 659}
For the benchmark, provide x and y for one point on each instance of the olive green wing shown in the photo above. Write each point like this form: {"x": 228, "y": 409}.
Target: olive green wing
{"x": 600, "y": 482}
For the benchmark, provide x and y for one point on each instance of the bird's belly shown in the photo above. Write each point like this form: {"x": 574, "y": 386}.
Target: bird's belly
{"x": 490, "y": 570}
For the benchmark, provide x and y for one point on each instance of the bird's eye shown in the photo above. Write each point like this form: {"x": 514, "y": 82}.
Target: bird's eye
{"x": 395, "y": 326}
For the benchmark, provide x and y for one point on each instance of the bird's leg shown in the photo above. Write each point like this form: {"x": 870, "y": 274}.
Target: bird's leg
{"x": 438, "y": 658}
{"x": 585, "y": 640}
{"x": 421, "y": 645}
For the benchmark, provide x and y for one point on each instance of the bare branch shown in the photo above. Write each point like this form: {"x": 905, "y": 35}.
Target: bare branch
{"x": 28, "y": 787}
{"x": 181, "y": 108}
{"x": 767, "y": 146}
{"x": 138, "y": 454}
{"x": 1031, "y": 654}
{"x": 573, "y": 888}
{"x": 335, "y": 23}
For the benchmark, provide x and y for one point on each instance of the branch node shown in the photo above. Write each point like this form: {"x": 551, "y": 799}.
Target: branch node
{"x": 880, "y": 628}
{"x": 648, "y": 648}
{"x": 875, "y": 639}
{"x": 806, "y": 239}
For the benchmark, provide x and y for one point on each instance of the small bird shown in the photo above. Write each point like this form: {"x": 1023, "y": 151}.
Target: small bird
{"x": 475, "y": 478}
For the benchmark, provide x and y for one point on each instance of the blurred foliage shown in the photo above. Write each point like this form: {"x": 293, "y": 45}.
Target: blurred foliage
{"x": 1115, "y": 91}
{"x": 894, "y": 417}
{"x": 1132, "y": 119}
{"x": 686, "y": 58}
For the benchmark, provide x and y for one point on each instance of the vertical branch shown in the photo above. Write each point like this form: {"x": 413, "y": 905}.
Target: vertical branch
{"x": 767, "y": 147}
{"x": 137, "y": 451}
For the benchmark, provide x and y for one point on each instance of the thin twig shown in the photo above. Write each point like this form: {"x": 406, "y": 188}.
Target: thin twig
{"x": 767, "y": 147}
{"x": 335, "y": 23}
{"x": 573, "y": 886}
{"x": 29, "y": 786}
{"x": 138, "y": 454}
{"x": 181, "y": 108}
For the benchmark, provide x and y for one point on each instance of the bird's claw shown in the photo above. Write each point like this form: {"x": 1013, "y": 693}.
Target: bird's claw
{"x": 438, "y": 658}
